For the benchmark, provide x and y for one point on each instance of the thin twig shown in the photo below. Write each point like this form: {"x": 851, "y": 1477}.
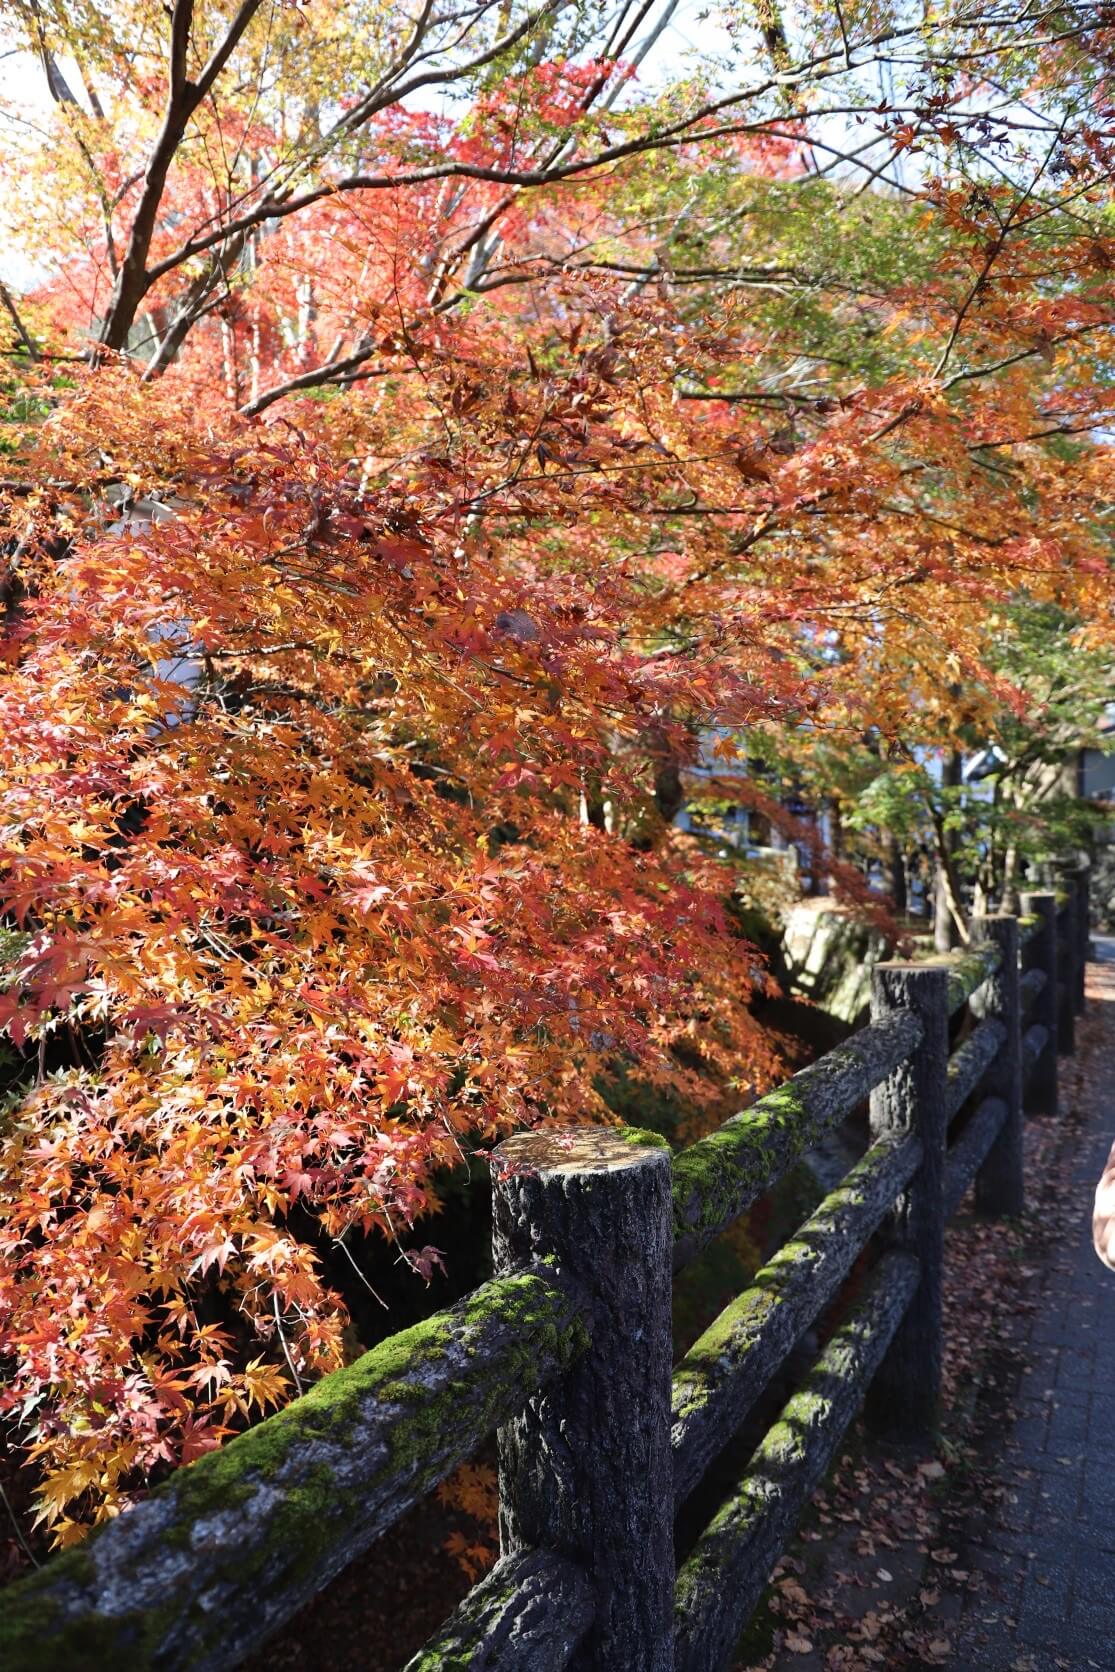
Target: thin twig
{"x": 283, "y": 1342}
{"x": 27, "y": 1551}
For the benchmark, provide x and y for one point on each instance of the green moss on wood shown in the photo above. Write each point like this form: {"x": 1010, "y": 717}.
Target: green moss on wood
{"x": 1029, "y": 925}
{"x": 51, "y": 1619}
{"x": 713, "y": 1174}
{"x": 742, "y": 1541}
{"x": 38, "y": 1634}
{"x": 716, "y": 1178}
{"x": 482, "y": 1607}
{"x": 967, "y": 972}
{"x": 804, "y": 1272}
{"x": 643, "y": 1139}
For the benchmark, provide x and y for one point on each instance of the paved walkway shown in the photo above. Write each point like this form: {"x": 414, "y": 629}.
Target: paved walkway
{"x": 1047, "y": 1548}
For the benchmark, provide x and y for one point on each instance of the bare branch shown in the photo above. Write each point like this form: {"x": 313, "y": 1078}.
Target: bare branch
{"x": 21, "y": 329}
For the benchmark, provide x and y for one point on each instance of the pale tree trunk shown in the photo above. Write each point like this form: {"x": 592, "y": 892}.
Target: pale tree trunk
{"x": 253, "y": 357}
{"x": 949, "y": 928}
{"x": 1010, "y": 897}
{"x": 307, "y": 315}
{"x": 232, "y": 369}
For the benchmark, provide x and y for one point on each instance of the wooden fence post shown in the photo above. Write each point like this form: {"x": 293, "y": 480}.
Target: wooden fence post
{"x": 1067, "y": 960}
{"x": 903, "y": 1397}
{"x": 999, "y": 1182}
{"x": 1083, "y": 933}
{"x": 586, "y": 1471}
{"x": 1039, "y": 1093}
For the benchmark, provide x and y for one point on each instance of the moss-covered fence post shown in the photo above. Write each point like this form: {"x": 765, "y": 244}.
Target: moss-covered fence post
{"x": 999, "y": 1183}
{"x": 586, "y": 1470}
{"x": 1039, "y": 1093}
{"x": 902, "y": 1400}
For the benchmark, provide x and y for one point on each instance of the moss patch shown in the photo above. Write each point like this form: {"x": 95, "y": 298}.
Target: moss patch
{"x": 50, "y": 1619}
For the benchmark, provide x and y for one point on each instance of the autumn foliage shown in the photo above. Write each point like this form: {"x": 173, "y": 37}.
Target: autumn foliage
{"x": 389, "y": 514}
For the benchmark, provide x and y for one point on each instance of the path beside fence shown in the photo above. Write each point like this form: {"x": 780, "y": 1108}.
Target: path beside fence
{"x": 1048, "y": 1549}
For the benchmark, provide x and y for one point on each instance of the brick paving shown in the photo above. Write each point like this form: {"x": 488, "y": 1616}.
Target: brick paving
{"x": 1047, "y": 1549}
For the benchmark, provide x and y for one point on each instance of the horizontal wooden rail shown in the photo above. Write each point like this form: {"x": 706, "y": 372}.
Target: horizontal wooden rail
{"x": 731, "y": 1364}
{"x": 1030, "y": 989}
{"x": 968, "y": 972}
{"x": 723, "y": 1578}
{"x": 970, "y": 1062}
{"x": 1034, "y": 1042}
{"x": 532, "y": 1611}
{"x": 720, "y": 1176}
{"x": 209, "y": 1565}
{"x": 968, "y": 1154}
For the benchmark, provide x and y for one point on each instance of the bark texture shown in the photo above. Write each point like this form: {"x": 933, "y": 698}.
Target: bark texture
{"x": 967, "y": 973}
{"x": 1083, "y": 934}
{"x": 903, "y": 1399}
{"x": 1066, "y": 974}
{"x": 585, "y": 1470}
{"x": 530, "y": 1612}
{"x": 969, "y": 1064}
{"x": 966, "y": 1156}
{"x": 1034, "y": 1044}
{"x": 1030, "y": 989}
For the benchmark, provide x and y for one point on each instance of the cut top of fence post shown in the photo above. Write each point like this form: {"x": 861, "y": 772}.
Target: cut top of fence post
{"x": 586, "y": 1471}
{"x": 1041, "y": 903}
{"x": 580, "y": 1150}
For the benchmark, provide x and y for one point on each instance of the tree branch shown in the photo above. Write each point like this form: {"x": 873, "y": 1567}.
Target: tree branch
{"x": 24, "y": 335}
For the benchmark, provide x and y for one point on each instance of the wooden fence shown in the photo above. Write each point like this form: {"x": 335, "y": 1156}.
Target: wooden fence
{"x": 566, "y": 1353}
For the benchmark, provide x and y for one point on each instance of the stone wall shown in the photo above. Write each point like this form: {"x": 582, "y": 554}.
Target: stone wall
{"x": 829, "y": 955}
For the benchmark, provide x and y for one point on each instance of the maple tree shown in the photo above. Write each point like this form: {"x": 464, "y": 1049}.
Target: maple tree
{"x": 428, "y": 425}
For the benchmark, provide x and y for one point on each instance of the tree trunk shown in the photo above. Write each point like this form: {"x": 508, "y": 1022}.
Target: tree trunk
{"x": 948, "y": 917}
{"x": 896, "y": 876}
{"x": 1010, "y": 900}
